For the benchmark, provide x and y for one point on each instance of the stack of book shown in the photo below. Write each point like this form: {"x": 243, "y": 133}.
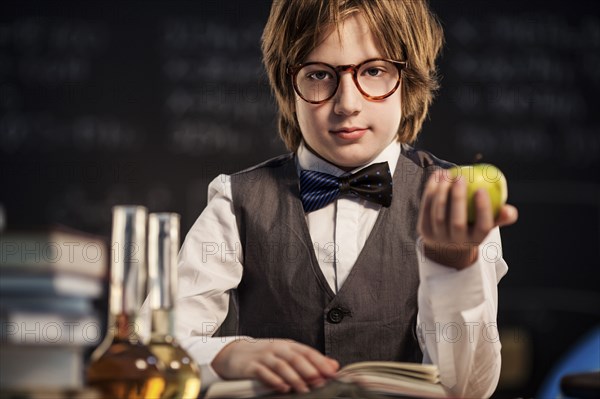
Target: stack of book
{"x": 49, "y": 281}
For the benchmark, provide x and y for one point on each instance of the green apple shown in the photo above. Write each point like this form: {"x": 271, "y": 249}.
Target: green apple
{"x": 484, "y": 176}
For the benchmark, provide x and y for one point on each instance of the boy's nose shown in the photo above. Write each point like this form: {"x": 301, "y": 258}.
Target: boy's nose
{"x": 348, "y": 99}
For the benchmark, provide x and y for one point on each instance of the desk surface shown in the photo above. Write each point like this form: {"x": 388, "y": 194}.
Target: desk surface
{"x": 333, "y": 390}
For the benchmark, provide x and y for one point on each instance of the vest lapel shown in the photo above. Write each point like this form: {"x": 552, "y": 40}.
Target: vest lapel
{"x": 292, "y": 186}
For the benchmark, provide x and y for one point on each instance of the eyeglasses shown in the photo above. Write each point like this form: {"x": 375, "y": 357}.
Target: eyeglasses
{"x": 376, "y": 79}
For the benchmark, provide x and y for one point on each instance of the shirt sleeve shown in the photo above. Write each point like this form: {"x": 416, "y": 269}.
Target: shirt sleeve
{"x": 456, "y": 325}
{"x": 209, "y": 267}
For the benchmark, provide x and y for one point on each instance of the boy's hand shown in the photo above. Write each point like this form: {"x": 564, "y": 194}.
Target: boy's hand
{"x": 282, "y": 364}
{"x": 442, "y": 224}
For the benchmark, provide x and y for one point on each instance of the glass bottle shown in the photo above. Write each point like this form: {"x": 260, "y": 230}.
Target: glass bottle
{"x": 122, "y": 366}
{"x": 181, "y": 373}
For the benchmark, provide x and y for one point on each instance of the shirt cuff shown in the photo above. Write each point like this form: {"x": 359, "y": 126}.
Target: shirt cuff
{"x": 465, "y": 287}
{"x": 203, "y": 350}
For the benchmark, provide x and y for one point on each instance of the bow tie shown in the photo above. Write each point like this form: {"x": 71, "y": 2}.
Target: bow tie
{"x": 373, "y": 183}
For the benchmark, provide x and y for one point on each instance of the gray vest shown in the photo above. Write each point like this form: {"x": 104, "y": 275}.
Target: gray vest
{"x": 283, "y": 293}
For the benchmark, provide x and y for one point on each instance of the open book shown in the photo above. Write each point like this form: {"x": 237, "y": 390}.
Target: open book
{"x": 390, "y": 378}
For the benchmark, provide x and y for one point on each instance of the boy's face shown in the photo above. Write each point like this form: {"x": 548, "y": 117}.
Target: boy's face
{"x": 348, "y": 130}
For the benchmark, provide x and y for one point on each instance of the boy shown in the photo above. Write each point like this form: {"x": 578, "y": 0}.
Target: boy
{"x": 379, "y": 264}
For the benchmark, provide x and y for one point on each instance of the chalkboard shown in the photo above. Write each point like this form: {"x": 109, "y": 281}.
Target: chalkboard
{"x": 128, "y": 102}
{"x": 520, "y": 84}
{"x": 145, "y": 102}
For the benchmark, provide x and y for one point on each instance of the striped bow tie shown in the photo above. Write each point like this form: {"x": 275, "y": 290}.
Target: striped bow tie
{"x": 373, "y": 183}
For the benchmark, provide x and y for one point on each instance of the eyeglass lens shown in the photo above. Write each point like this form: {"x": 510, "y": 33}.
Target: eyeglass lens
{"x": 318, "y": 82}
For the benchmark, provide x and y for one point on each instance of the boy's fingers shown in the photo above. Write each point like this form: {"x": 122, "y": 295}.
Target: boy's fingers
{"x": 306, "y": 369}
{"x": 484, "y": 219}
{"x": 438, "y": 209}
{"x": 325, "y": 366}
{"x": 458, "y": 209}
{"x": 270, "y": 378}
{"x": 334, "y": 363}
{"x": 285, "y": 370}
{"x": 507, "y": 216}
{"x": 424, "y": 222}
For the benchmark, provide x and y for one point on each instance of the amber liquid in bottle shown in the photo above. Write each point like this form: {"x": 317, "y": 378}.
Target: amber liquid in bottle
{"x": 122, "y": 367}
{"x": 126, "y": 369}
{"x": 182, "y": 376}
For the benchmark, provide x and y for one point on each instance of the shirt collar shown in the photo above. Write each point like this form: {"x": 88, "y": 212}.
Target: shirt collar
{"x": 307, "y": 160}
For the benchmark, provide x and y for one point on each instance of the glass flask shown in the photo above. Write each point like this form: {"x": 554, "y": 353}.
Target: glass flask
{"x": 182, "y": 375}
{"x": 122, "y": 367}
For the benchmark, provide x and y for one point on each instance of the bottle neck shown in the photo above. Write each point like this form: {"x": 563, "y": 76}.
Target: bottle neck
{"x": 124, "y": 328}
{"x": 128, "y": 263}
{"x": 161, "y": 325}
{"x": 127, "y": 270}
{"x": 163, "y": 244}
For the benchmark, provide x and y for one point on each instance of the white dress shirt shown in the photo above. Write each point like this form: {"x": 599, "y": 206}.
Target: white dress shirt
{"x": 457, "y": 309}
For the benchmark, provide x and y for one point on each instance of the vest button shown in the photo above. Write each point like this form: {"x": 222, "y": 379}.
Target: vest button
{"x": 335, "y": 315}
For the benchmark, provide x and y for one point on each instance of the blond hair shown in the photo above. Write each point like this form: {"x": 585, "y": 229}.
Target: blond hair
{"x": 406, "y": 30}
